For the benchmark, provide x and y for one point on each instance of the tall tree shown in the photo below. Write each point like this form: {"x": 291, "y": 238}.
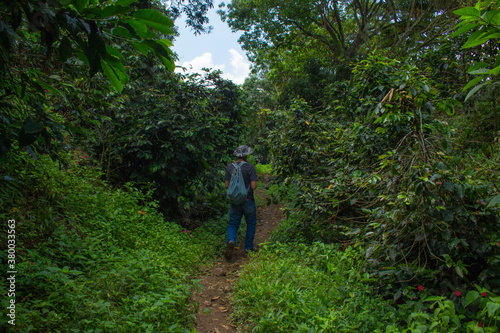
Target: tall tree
{"x": 345, "y": 28}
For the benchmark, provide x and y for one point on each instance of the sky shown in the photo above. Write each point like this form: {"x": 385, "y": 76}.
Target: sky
{"x": 217, "y": 50}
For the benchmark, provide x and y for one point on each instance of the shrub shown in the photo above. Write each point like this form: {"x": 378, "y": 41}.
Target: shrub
{"x": 90, "y": 258}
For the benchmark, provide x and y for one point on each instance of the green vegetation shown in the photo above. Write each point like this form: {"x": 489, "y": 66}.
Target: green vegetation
{"x": 94, "y": 258}
{"x": 387, "y": 160}
{"x": 377, "y": 122}
{"x": 310, "y": 288}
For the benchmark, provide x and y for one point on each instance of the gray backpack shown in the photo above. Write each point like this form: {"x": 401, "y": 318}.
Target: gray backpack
{"x": 237, "y": 191}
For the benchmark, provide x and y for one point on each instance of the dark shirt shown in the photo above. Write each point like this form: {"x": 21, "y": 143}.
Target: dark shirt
{"x": 249, "y": 175}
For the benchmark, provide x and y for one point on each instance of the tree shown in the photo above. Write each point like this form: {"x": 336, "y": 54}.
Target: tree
{"x": 40, "y": 40}
{"x": 345, "y": 28}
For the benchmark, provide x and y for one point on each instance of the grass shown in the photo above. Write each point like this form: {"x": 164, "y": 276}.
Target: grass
{"x": 301, "y": 288}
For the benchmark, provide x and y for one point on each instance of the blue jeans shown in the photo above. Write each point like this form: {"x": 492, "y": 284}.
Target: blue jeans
{"x": 235, "y": 214}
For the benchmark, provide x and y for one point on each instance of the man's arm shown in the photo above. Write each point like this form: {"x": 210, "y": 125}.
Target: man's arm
{"x": 253, "y": 185}
{"x": 226, "y": 182}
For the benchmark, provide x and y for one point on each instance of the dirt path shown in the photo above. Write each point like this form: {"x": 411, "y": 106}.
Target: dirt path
{"x": 214, "y": 301}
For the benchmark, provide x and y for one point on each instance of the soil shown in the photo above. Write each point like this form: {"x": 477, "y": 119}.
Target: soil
{"x": 215, "y": 308}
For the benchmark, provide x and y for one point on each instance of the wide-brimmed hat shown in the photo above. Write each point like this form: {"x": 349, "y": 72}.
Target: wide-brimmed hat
{"x": 242, "y": 151}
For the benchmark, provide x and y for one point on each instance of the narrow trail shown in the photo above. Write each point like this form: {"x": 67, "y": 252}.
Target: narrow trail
{"x": 214, "y": 301}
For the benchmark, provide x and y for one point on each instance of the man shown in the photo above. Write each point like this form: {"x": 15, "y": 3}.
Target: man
{"x": 248, "y": 208}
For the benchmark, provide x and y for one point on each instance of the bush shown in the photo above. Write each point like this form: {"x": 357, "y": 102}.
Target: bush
{"x": 381, "y": 167}
{"x": 90, "y": 258}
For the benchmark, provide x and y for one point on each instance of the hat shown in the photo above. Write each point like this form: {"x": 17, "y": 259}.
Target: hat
{"x": 242, "y": 151}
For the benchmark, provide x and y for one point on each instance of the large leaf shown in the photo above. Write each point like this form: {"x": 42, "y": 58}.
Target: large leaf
{"x": 464, "y": 29}
{"x": 492, "y": 308}
{"x": 155, "y": 20}
{"x": 481, "y": 37}
{"x": 473, "y": 82}
{"x": 493, "y": 202}
{"x": 115, "y": 75}
{"x": 492, "y": 16}
{"x": 475, "y": 89}
{"x": 467, "y": 11}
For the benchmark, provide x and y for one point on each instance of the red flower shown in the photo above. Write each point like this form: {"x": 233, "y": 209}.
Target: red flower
{"x": 457, "y": 293}
{"x": 343, "y": 249}
{"x": 480, "y": 324}
{"x": 420, "y": 288}
{"x": 483, "y": 294}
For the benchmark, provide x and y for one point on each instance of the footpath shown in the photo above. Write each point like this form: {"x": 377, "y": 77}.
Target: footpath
{"x": 214, "y": 300}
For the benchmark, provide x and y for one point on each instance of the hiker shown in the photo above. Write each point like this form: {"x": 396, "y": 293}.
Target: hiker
{"x": 246, "y": 208}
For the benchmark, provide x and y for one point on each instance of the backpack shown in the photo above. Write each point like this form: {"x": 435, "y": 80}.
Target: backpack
{"x": 237, "y": 191}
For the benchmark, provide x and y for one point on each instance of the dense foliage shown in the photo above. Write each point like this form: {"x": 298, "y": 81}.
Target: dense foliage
{"x": 391, "y": 161}
{"x": 98, "y": 259}
{"x": 171, "y": 132}
{"x": 95, "y": 129}
{"x": 381, "y": 122}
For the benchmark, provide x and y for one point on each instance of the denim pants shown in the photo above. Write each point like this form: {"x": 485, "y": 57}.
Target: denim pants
{"x": 249, "y": 210}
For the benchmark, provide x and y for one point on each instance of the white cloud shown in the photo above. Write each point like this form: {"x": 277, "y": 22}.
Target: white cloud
{"x": 240, "y": 68}
{"x": 196, "y": 65}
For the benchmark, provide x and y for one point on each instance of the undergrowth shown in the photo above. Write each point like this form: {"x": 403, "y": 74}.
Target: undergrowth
{"x": 95, "y": 259}
{"x": 310, "y": 288}
{"x": 295, "y": 284}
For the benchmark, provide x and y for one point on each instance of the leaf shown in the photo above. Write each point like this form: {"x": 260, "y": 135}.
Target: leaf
{"x": 481, "y": 38}
{"x": 459, "y": 271}
{"x": 480, "y": 71}
{"x": 492, "y": 16}
{"x": 471, "y": 297}
{"x": 114, "y": 75}
{"x": 113, "y": 10}
{"x": 476, "y": 88}
{"x": 80, "y": 5}
{"x": 155, "y": 20}
{"x": 492, "y": 308}
{"x": 140, "y": 47}
{"x": 121, "y": 31}
{"x": 467, "y": 11}
{"x": 493, "y": 202}
{"x": 464, "y": 29}
{"x": 113, "y": 52}
{"x": 473, "y": 82}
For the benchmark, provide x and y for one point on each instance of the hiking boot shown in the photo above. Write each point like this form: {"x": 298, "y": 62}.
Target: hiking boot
{"x": 229, "y": 250}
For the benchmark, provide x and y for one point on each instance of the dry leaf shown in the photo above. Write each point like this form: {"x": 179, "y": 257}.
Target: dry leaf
{"x": 215, "y": 298}
{"x": 216, "y": 330}
{"x": 227, "y": 328}
{"x": 142, "y": 212}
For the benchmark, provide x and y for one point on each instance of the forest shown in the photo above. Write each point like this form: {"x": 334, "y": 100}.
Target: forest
{"x": 376, "y": 123}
